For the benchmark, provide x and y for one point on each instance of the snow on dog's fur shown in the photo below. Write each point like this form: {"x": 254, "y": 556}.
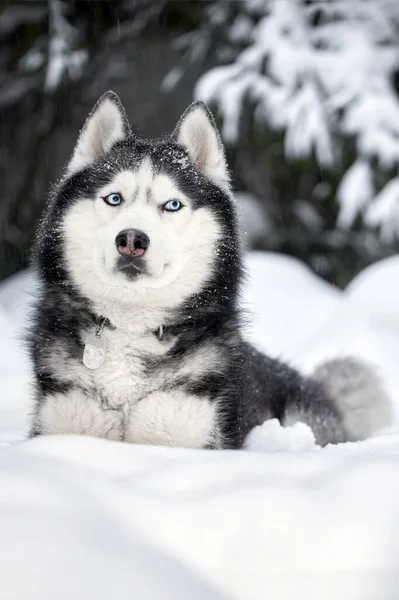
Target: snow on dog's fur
{"x": 139, "y": 249}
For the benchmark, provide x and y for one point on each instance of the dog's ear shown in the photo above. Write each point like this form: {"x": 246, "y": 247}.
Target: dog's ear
{"x": 197, "y": 133}
{"x": 106, "y": 124}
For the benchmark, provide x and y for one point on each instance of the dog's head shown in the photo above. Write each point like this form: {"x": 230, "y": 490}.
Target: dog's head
{"x": 143, "y": 222}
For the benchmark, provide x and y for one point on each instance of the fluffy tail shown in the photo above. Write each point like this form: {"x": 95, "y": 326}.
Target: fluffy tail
{"x": 358, "y": 394}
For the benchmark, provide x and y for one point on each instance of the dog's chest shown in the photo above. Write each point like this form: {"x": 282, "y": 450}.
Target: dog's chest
{"x": 126, "y": 375}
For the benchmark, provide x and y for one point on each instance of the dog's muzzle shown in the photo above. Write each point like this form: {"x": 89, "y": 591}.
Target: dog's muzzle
{"x": 131, "y": 245}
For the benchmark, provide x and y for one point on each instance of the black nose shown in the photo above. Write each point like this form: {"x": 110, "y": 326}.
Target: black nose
{"x": 132, "y": 242}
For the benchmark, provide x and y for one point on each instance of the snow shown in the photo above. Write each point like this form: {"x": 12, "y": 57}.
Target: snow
{"x": 355, "y": 192}
{"x": 321, "y": 72}
{"x": 278, "y": 325}
{"x": 283, "y": 519}
{"x": 271, "y": 437}
{"x": 253, "y": 218}
{"x": 62, "y": 58}
{"x": 384, "y": 211}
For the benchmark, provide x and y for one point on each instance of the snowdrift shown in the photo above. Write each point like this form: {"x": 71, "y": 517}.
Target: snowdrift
{"x": 283, "y": 519}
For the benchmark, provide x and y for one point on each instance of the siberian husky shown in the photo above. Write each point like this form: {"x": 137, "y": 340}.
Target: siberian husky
{"x": 138, "y": 332}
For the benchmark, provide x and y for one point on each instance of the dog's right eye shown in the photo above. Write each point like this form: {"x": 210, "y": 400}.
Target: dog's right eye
{"x": 113, "y": 199}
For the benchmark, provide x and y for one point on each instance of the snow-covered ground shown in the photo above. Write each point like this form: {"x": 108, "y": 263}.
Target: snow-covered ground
{"x": 86, "y": 518}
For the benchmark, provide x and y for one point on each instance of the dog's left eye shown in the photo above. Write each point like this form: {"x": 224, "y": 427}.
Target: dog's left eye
{"x": 113, "y": 199}
{"x": 172, "y": 206}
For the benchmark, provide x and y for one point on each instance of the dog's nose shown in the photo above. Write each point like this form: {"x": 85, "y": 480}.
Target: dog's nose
{"x": 132, "y": 242}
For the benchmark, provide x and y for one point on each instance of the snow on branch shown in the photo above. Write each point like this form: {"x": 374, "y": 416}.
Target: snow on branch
{"x": 63, "y": 59}
{"x": 384, "y": 211}
{"x": 355, "y": 192}
{"x": 277, "y": 71}
{"x": 322, "y": 72}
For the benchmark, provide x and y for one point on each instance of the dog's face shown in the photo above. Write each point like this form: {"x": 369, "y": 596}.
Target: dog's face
{"x": 144, "y": 222}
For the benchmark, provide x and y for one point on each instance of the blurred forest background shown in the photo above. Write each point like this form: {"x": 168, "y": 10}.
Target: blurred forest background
{"x": 306, "y": 93}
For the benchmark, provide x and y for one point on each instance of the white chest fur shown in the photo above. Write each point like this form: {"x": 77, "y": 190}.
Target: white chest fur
{"x": 122, "y": 378}
{"x": 147, "y": 412}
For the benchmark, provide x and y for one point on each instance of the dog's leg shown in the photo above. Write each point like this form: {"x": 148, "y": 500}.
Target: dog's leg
{"x": 309, "y": 404}
{"x": 75, "y": 412}
{"x": 173, "y": 418}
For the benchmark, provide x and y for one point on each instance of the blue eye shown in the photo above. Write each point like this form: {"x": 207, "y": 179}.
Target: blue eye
{"x": 173, "y": 206}
{"x": 113, "y": 199}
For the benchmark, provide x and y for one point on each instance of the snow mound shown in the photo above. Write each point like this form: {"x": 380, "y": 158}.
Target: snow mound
{"x": 281, "y": 292}
{"x": 272, "y": 437}
{"x": 87, "y": 518}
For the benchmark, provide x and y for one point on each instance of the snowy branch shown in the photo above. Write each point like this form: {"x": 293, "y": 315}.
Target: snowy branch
{"x": 322, "y": 73}
{"x": 62, "y": 58}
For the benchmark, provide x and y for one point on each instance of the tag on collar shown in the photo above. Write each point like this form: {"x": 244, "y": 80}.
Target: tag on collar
{"x": 95, "y": 347}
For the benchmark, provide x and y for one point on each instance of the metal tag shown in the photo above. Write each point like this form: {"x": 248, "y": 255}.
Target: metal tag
{"x": 94, "y": 352}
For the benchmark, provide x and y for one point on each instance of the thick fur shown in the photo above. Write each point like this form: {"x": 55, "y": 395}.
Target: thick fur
{"x": 177, "y": 370}
{"x": 359, "y": 396}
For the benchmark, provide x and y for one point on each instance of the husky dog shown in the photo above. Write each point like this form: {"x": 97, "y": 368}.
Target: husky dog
{"x": 137, "y": 334}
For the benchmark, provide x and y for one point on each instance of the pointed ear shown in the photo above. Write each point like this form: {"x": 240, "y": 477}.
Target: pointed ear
{"x": 106, "y": 124}
{"x": 197, "y": 133}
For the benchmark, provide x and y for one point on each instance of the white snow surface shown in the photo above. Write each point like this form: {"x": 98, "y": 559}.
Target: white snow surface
{"x": 282, "y": 519}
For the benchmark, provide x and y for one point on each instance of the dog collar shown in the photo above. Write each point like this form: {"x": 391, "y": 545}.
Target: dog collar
{"x": 105, "y": 322}
{"x": 96, "y": 345}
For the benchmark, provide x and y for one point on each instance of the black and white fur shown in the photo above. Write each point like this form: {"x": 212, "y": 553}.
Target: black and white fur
{"x": 177, "y": 370}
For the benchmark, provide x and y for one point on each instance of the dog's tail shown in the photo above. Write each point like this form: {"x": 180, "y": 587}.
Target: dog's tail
{"x": 358, "y": 394}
